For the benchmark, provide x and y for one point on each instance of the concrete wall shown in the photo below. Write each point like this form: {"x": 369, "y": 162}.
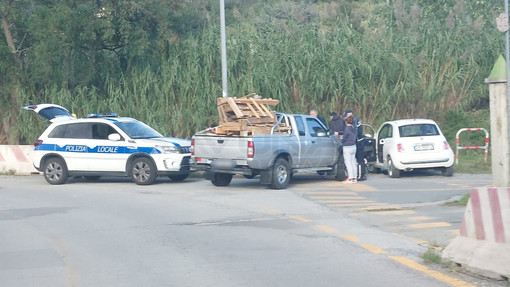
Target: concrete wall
{"x": 16, "y": 159}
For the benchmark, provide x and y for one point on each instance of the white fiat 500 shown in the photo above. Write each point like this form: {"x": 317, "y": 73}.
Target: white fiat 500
{"x": 106, "y": 145}
{"x": 404, "y": 145}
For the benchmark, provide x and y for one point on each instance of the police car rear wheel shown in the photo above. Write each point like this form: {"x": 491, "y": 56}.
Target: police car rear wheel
{"x": 143, "y": 171}
{"x": 55, "y": 171}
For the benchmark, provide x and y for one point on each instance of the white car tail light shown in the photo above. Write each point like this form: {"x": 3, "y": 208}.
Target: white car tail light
{"x": 446, "y": 145}
{"x": 192, "y": 146}
{"x": 400, "y": 147}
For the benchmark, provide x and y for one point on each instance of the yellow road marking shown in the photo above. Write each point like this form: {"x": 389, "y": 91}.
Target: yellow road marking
{"x": 269, "y": 209}
{"x": 331, "y": 192}
{"x": 327, "y": 197}
{"x": 296, "y": 217}
{"x": 373, "y": 249}
{"x": 339, "y": 201}
{"x": 429, "y": 225}
{"x": 432, "y": 273}
{"x": 420, "y": 218}
{"x": 420, "y": 241}
{"x": 326, "y": 228}
{"x": 386, "y": 207}
{"x": 350, "y": 238}
{"x": 394, "y": 212}
{"x": 359, "y": 187}
{"x": 345, "y": 197}
{"x": 356, "y": 204}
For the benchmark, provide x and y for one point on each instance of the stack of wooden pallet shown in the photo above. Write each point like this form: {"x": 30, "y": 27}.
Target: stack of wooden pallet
{"x": 248, "y": 115}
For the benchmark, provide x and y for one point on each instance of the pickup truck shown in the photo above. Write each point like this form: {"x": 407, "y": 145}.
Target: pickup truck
{"x": 296, "y": 143}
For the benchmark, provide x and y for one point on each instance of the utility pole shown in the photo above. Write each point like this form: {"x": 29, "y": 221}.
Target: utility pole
{"x": 223, "y": 50}
{"x": 501, "y": 165}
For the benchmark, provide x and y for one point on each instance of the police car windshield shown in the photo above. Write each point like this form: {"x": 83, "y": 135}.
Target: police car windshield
{"x": 138, "y": 130}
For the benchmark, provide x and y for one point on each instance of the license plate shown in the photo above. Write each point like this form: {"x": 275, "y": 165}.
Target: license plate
{"x": 422, "y": 147}
{"x": 223, "y": 163}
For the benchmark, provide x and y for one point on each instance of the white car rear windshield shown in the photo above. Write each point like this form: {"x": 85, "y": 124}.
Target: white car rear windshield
{"x": 418, "y": 130}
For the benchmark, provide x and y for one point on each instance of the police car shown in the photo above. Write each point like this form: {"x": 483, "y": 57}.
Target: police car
{"x": 106, "y": 145}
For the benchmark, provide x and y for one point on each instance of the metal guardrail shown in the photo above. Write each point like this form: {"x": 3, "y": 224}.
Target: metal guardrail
{"x": 484, "y": 147}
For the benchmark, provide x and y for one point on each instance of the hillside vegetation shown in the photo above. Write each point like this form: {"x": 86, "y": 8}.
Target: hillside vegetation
{"x": 159, "y": 61}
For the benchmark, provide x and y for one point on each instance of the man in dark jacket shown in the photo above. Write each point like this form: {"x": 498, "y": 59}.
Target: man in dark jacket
{"x": 336, "y": 124}
{"x": 314, "y": 113}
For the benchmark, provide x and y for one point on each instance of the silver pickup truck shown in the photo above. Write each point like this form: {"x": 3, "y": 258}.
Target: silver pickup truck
{"x": 296, "y": 143}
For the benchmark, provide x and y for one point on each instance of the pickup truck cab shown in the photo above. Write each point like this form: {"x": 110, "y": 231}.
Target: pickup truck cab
{"x": 296, "y": 143}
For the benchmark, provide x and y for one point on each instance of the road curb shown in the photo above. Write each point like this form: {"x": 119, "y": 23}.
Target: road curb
{"x": 483, "y": 243}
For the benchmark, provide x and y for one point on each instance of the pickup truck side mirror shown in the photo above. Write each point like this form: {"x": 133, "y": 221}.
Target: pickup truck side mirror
{"x": 322, "y": 134}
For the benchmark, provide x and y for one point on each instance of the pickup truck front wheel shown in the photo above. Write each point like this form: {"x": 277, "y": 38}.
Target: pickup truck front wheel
{"x": 340, "y": 171}
{"x": 221, "y": 179}
{"x": 281, "y": 174}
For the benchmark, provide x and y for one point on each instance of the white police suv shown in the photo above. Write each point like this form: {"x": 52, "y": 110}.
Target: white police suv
{"x": 106, "y": 145}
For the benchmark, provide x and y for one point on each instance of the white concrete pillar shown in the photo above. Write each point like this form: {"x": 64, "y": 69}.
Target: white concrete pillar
{"x": 499, "y": 140}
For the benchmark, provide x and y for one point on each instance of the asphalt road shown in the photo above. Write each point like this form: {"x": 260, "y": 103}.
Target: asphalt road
{"x": 318, "y": 232}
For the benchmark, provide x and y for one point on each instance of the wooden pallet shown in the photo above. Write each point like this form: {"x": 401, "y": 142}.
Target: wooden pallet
{"x": 248, "y": 115}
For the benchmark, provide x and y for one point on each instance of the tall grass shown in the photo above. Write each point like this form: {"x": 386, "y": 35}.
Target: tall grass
{"x": 379, "y": 65}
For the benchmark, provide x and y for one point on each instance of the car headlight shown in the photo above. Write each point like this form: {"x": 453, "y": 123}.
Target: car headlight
{"x": 167, "y": 149}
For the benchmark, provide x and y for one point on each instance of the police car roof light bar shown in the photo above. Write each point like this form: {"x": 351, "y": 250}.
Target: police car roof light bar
{"x": 102, "y": 115}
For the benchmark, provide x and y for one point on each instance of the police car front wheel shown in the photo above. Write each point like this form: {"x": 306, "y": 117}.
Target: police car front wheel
{"x": 55, "y": 171}
{"x": 143, "y": 171}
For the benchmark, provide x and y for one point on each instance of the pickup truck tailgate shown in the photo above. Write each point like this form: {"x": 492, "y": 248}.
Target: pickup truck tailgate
{"x": 221, "y": 147}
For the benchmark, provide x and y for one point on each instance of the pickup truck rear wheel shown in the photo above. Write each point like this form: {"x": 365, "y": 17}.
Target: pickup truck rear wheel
{"x": 221, "y": 179}
{"x": 281, "y": 174}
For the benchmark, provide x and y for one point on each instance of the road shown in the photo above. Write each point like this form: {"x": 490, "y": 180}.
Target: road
{"x": 318, "y": 232}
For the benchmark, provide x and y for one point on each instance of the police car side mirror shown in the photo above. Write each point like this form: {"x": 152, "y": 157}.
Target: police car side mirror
{"x": 114, "y": 137}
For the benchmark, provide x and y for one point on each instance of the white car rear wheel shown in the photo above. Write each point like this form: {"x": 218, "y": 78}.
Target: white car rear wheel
{"x": 393, "y": 172}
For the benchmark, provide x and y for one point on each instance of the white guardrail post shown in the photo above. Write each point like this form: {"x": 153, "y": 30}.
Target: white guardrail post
{"x": 485, "y": 147}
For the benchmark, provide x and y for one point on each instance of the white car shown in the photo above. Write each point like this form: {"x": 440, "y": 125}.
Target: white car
{"x": 405, "y": 145}
{"x": 106, "y": 145}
